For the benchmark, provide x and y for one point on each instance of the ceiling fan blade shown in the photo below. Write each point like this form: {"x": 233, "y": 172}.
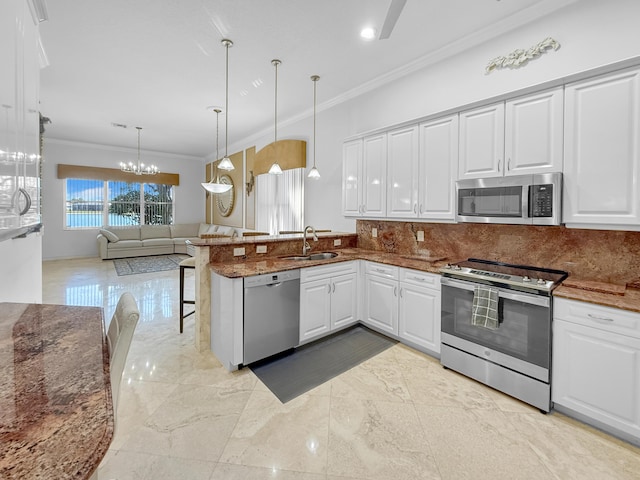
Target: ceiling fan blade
{"x": 395, "y": 9}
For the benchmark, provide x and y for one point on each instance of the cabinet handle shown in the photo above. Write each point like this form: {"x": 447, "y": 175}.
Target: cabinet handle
{"x": 401, "y": 293}
{"x": 509, "y": 164}
{"x": 328, "y": 288}
{"x": 419, "y": 279}
{"x": 498, "y": 164}
{"x": 415, "y": 208}
{"x": 395, "y": 291}
{"x": 596, "y": 317}
{"x": 421, "y": 210}
{"x": 334, "y": 288}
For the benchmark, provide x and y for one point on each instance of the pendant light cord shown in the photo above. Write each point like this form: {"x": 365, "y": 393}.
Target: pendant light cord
{"x": 275, "y": 136}
{"x": 315, "y": 79}
{"x": 226, "y": 103}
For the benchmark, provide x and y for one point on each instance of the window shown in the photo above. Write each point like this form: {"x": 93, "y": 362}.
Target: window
{"x": 97, "y": 203}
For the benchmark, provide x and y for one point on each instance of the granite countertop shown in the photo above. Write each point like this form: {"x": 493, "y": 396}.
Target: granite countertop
{"x": 610, "y": 295}
{"x": 56, "y": 412}
{"x": 272, "y": 264}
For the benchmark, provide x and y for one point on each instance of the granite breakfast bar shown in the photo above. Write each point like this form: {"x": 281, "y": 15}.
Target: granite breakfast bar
{"x": 56, "y": 411}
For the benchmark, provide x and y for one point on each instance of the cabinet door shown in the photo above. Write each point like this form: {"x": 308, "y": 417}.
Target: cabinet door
{"x": 601, "y": 158}
{"x": 402, "y": 172}
{"x": 438, "y": 168}
{"x": 533, "y": 133}
{"x": 482, "y": 142}
{"x": 351, "y": 178}
{"x": 374, "y": 178}
{"x": 381, "y": 304}
{"x": 315, "y": 309}
{"x": 344, "y": 300}
{"x": 597, "y": 374}
{"x": 419, "y": 315}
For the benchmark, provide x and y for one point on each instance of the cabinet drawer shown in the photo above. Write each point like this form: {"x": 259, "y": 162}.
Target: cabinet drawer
{"x": 381, "y": 270}
{"x": 322, "y": 272}
{"x": 604, "y": 318}
{"x": 416, "y": 277}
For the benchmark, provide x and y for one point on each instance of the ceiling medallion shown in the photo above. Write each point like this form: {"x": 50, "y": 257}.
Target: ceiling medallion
{"x": 520, "y": 57}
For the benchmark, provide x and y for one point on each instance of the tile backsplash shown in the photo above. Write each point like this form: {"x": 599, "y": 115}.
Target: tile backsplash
{"x": 599, "y": 255}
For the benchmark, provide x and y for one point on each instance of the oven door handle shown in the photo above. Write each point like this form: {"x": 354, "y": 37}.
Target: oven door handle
{"x": 518, "y": 297}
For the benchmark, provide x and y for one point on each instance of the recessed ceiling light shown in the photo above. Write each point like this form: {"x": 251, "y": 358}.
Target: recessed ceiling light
{"x": 368, "y": 33}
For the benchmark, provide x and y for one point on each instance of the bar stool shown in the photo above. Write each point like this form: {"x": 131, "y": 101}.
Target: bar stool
{"x": 186, "y": 263}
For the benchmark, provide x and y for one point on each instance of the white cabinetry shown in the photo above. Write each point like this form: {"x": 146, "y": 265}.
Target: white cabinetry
{"x": 482, "y": 142}
{"x": 438, "y": 168}
{"x": 328, "y": 299}
{"x": 403, "y": 303}
{"x": 364, "y": 176}
{"x": 520, "y": 136}
{"x": 381, "y": 297}
{"x": 374, "y": 167}
{"x": 402, "y": 172}
{"x": 602, "y": 151}
{"x": 352, "y": 178}
{"x": 419, "y": 309}
{"x": 596, "y": 365}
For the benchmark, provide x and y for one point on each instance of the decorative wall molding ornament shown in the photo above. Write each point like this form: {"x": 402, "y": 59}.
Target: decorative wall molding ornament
{"x": 520, "y": 57}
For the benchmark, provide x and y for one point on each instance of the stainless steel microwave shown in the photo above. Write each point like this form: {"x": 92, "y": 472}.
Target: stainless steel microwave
{"x": 520, "y": 199}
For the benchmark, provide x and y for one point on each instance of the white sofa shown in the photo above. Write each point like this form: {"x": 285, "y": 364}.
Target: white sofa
{"x": 121, "y": 242}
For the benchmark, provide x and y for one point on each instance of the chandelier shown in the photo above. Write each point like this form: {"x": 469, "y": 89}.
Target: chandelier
{"x": 138, "y": 168}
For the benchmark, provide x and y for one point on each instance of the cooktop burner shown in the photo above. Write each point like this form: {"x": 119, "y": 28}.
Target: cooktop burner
{"x": 522, "y": 277}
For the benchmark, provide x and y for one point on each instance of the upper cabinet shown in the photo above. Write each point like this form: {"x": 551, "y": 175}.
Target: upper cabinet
{"x": 482, "y": 142}
{"x": 438, "y": 168}
{"x": 364, "y": 177}
{"x": 601, "y": 156}
{"x": 402, "y": 172}
{"x": 533, "y": 133}
{"x": 352, "y": 178}
{"x": 520, "y": 136}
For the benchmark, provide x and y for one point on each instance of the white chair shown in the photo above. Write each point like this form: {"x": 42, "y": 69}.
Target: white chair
{"x": 119, "y": 336}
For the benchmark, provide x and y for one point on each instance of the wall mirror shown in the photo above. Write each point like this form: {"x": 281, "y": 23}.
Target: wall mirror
{"x": 225, "y": 200}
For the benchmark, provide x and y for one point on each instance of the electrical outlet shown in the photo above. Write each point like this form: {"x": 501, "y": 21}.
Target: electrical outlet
{"x": 337, "y": 242}
{"x": 420, "y": 235}
{"x": 374, "y": 232}
{"x": 261, "y": 249}
{"x": 238, "y": 252}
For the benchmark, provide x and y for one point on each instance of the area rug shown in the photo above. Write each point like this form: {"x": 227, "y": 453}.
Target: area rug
{"x": 311, "y": 365}
{"x": 156, "y": 263}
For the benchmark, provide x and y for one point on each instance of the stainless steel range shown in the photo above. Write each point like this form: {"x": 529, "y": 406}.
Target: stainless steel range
{"x": 496, "y": 326}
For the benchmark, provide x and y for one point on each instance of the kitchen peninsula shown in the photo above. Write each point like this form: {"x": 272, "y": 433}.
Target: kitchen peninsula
{"x": 56, "y": 412}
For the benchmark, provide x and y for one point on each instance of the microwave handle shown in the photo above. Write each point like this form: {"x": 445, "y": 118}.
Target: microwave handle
{"x": 527, "y": 201}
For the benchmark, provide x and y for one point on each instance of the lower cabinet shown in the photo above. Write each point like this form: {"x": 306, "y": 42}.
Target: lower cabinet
{"x": 404, "y": 303}
{"x": 596, "y": 365}
{"x": 419, "y": 309}
{"x": 328, "y": 299}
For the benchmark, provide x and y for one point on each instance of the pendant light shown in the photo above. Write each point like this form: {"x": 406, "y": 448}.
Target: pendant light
{"x": 225, "y": 163}
{"x": 138, "y": 168}
{"x": 214, "y": 186}
{"x": 275, "y": 168}
{"x": 314, "y": 173}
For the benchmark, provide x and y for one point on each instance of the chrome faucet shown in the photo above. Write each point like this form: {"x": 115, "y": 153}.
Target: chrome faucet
{"x": 305, "y": 245}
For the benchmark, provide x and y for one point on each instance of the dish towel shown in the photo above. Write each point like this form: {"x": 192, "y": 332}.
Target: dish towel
{"x": 484, "y": 310}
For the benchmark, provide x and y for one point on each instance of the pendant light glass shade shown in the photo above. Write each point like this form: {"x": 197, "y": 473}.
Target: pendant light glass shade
{"x": 314, "y": 173}
{"x": 214, "y": 186}
{"x": 275, "y": 168}
{"x": 225, "y": 163}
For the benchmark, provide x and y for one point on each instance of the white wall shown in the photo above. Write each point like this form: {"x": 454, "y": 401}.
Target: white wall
{"x": 61, "y": 243}
{"x": 592, "y": 33}
{"x": 21, "y": 269}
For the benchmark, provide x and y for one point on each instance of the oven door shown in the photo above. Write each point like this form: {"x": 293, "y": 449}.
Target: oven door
{"x": 521, "y": 342}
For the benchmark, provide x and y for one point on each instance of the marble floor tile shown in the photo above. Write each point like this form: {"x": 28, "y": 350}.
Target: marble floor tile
{"x": 398, "y": 415}
{"x": 226, "y": 471}
{"x": 124, "y": 465}
{"x": 194, "y": 422}
{"x": 378, "y": 440}
{"x": 478, "y": 443}
{"x": 291, "y": 436}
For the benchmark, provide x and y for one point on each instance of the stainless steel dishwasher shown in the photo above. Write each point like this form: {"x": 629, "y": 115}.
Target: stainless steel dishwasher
{"x": 271, "y": 314}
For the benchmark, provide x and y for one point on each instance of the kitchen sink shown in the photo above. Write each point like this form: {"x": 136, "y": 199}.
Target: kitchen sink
{"x": 313, "y": 256}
